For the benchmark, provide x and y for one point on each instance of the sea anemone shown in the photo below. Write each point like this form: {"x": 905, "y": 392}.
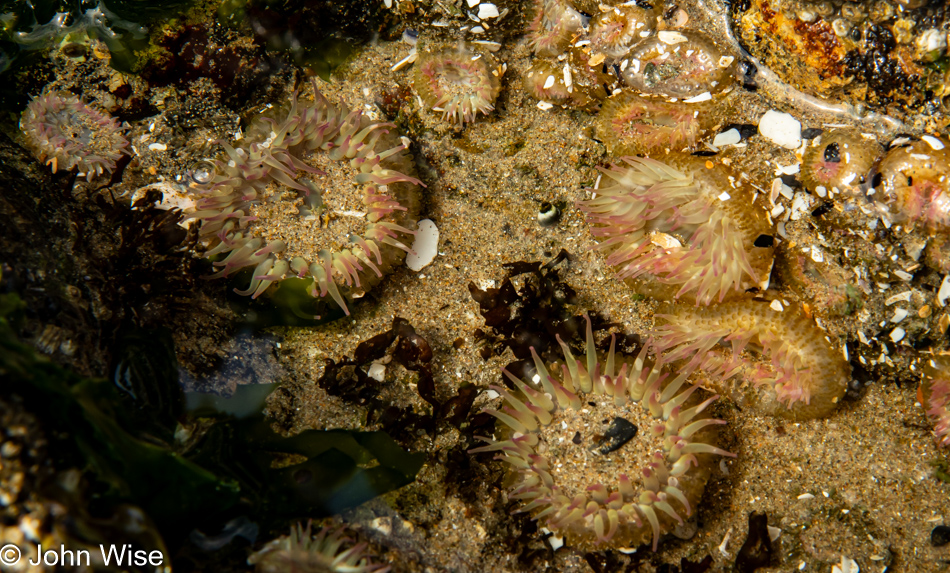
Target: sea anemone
{"x": 613, "y": 32}
{"x": 65, "y": 133}
{"x": 572, "y": 82}
{"x": 329, "y": 550}
{"x": 677, "y": 65}
{"x": 554, "y": 25}
{"x": 914, "y": 184}
{"x": 574, "y": 480}
{"x": 457, "y": 83}
{"x": 934, "y": 395}
{"x": 631, "y": 125}
{"x": 685, "y": 229}
{"x": 838, "y": 161}
{"x": 545, "y": 81}
{"x": 763, "y": 354}
{"x": 322, "y": 191}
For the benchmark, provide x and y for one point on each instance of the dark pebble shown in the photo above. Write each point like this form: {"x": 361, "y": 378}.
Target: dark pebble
{"x": 746, "y": 130}
{"x": 940, "y": 536}
{"x": 811, "y": 132}
{"x": 619, "y": 433}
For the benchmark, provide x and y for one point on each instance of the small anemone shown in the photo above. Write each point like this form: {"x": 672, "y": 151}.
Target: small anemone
{"x": 545, "y": 81}
{"x": 65, "y": 133}
{"x": 327, "y": 551}
{"x": 630, "y": 125}
{"x": 573, "y": 480}
{"x": 915, "y": 184}
{"x": 320, "y": 191}
{"x": 457, "y": 83}
{"x": 685, "y": 229}
{"x": 934, "y": 395}
{"x": 838, "y": 161}
{"x": 613, "y": 31}
{"x": 677, "y": 65}
{"x": 554, "y": 25}
{"x": 775, "y": 361}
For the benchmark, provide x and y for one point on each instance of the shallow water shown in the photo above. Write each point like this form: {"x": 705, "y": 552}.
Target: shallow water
{"x": 377, "y": 435}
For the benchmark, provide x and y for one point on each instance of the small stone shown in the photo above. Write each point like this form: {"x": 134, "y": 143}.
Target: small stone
{"x": 729, "y": 137}
{"x": 940, "y": 536}
{"x": 781, "y": 129}
{"x": 619, "y": 433}
{"x": 426, "y": 246}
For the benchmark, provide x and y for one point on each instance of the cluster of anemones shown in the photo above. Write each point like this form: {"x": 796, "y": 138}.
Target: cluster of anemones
{"x": 680, "y": 229}
{"x": 759, "y": 352}
{"x": 579, "y": 483}
{"x": 353, "y": 210}
{"x": 327, "y": 551}
{"x": 66, "y": 134}
{"x": 458, "y": 83}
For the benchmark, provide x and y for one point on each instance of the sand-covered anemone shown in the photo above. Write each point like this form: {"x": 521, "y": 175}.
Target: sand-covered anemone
{"x": 934, "y": 395}
{"x": 914, "y": 184}
{"x": 457, "y": 83}
{"x": 678, "y": 65}
{"x": 554, "y": 24}
{"x": 614, "y": 30}
{"x": 572, "y": 82}
{"x": 762, "y": 354}
{"x": 605, "y": 451}
{"x": 838, "y": 161}
{"x": 65, "y": 133}
{"x": 328, "y": 550}
{"x": 318, "y": 191}
{"x": 684, "y": 229}
{"x": 631, "y": 125}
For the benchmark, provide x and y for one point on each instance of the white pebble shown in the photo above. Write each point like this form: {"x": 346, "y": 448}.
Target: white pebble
{"x": 933, "y": 142}
{"x": 487, "y": 11}
{"x": 426, "y": 246}
{"x": 728, "y": 137}
{"x": 944, "y": 293}
{"x": 899, "y": 315}
{"x": 157, "y": 147}
{"x": 472, "y": 3}
{"x": 377, "y": 371}
{"x": 781, "y": 129}
{"x": 777, "y": 307}
{"x": 897, "y": 334}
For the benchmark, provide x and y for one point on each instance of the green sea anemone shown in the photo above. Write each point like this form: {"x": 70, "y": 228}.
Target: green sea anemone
{"x": 684, "y": 229}
{"x": 838, "y": 161}
{"x": 934, "y": 395}
{"x": 66, "y": 134}
{"x": 914, "y": 184}
{"x": 327, "y": 551}
{"x": 320, "y": 191}
{"x": 575, "y": 474}
{"x": 762, "y": 354}
{"x": 458, "y": 83}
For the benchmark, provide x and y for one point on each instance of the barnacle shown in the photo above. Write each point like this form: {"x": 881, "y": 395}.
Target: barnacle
{"x": 323, "y": 191}
{"x": 457, "y": 83}
{"x": 326, "y": 551}
{"x": 65, "y": 133}
{"x": 677, "y": 65}
{"x": 838, "y": 161}
{"x": 629, "y": 125}
{"x": 680, "y": 229}
{"x": 934, "y": 394}
{"x": 915, "y": 184}
{"x": 554, "y": 25}
{"x": 776, "y": 361}
{"x": 588, "y": 496}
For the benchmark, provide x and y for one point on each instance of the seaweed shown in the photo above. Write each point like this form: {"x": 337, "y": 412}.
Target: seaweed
{"x": 347, "y": 378}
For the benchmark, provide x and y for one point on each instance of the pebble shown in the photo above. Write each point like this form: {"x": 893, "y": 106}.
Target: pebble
{"x": 940, "y": 536}
{"x": 730, "y": 137}
{"x": 781, "y": 129}
{"x": 426, "y": 246}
